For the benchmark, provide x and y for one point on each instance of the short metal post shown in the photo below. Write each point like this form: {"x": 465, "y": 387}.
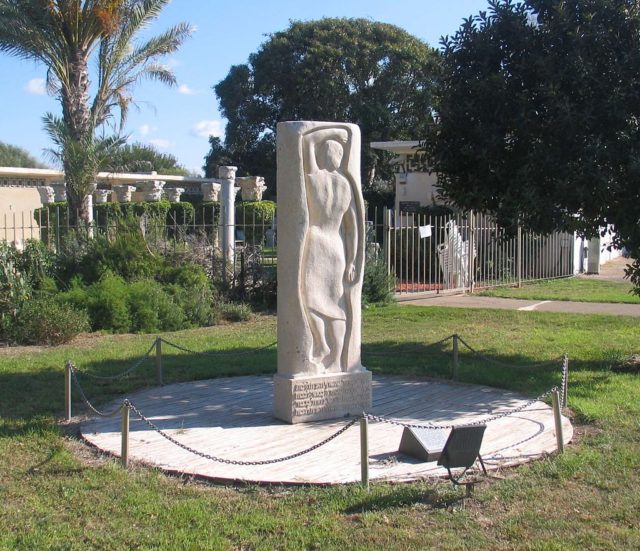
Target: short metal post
{"x": 364, "y": 451}
{"x": 124, "y": 451}
{"x": 456, "y": 363}
{"x": 519, "y": 255}
{"x": 159, "y": 360}
{"x": 557, "y": 417}
{"x": 565, "y": 387}
{"x": 67, "y": 391}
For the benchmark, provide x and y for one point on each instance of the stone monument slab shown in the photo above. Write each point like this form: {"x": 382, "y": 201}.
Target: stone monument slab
{"x": 320, "y": 269}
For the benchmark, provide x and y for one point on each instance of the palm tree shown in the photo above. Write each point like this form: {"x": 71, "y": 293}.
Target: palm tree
{"x": 65, "y": 35}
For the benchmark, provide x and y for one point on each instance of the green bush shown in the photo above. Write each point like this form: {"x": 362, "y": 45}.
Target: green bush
{"x": 233, "y": 311}
{"x": 152, "y": 309}
{"x": 208, "y": 214}
{"x": 38, "y": 264}
{"x": 107, "y": 304}
{"x": 43, "y": 320}
{"x": 377, "y": 283}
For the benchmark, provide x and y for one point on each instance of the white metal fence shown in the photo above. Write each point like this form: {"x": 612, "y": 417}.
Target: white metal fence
{"x": 425, "y": 253}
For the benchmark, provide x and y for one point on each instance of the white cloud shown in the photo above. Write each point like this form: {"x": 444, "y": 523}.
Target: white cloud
{"x": 173, "y": 62}
{"x": 146, "y": 129}
{"x": 36, "y": 86}
{"x": 205, "y": 128}
{"x": 162, "y": 144}
{"x": 184, "y": 89}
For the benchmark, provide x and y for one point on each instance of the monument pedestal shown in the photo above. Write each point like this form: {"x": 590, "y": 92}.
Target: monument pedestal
{"x": 314, "y": 398}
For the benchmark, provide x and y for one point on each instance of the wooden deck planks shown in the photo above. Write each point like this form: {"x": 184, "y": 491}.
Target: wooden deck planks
{"x": 231, "y": 418}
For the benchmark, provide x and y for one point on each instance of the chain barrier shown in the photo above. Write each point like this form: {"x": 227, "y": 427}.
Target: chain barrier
{"x": 218, "y": 354}
{"x": 74, "y": 376}
{"x": 405, "y": 351}
{"x": 482, "y": 421}
{"x": 122, "y": 375}
{"x": 563, "y": 383}
{"x": 504, "y": 364}
{"x": 154, "y": 427}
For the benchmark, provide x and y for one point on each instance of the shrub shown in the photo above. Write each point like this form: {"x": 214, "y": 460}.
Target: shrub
{"x": 38, "y": 263}
{"x": 107, "y": 304}
{"x": 233, "y": 311}
{"x": 196, "y": 301}
{"x": 43, "y": 320}
{"x": 377, "y": 283}
{"x": 152, "y": 309}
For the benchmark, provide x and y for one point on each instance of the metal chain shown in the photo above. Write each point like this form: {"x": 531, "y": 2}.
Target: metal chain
{"x": 563, "y": 383}
{"x": 217, "y": 354}
{"x": 149, "y": 423}
{"x": 405, "y": 351}
{"x": 504, "y": 364}
{"x": 122, "y": 375}
{"x": 72, "y": 369}
{"x": 482, "y": 421}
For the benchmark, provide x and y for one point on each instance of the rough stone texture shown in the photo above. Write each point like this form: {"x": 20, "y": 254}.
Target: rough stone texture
{"x": 60, "y": 192}
{"x": 47, "y": 194}
{"x": 123, "y": 193}
{"x": 152, "y": 190}
{"x": 326, "y": 396}
{"x": 321, "y": 240}
{"x": 210, "y": 192}
{"x": 173, "y": 194}
{"x": 101, "y": 196}
{"x": 251, "y": 187}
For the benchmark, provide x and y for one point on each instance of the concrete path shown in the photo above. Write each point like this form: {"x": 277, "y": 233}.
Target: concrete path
{"x": 570, "y": 307}
{"x": 613, "y": 270}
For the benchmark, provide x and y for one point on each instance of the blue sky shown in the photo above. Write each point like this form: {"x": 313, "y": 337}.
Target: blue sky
{"x": 179, "y": 120}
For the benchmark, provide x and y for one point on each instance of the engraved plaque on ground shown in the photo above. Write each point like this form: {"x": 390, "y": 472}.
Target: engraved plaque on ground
{"x": 325, "y": 396}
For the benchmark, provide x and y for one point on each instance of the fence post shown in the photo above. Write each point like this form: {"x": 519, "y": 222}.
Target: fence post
{"x": 364, "y": 452}
{"x": 124, "y": 450}
{"x": 159, "y": 360}
{"x": 565, "y": 386}
{"x": 470, "y": 251}
{"x": 456, "y": 362}
{"x": 557, "y": 417}
{"x": 67, "y": 390}
{"x": 519, "y": 255}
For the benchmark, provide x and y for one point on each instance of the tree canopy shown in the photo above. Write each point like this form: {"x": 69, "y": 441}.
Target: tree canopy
{"x": 353, "y": 70}
{"x": 65, "y": 35}
{"x": 139, "y": 157}
{"x": 538, "y": 116}
{"x": 11, "y": 155}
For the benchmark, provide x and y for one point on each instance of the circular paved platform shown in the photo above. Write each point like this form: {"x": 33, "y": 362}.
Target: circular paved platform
{"x": 231, "y": 418}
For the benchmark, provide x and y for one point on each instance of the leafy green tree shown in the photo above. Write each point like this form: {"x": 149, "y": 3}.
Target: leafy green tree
{"x": 11, "y": 155}
{"x": 139, "y": 157}
{"x": 538, "y": 116}
{"x": 65, "y": 35}
{"x": 353, "y": 70}
{"x": 217, "y": 156}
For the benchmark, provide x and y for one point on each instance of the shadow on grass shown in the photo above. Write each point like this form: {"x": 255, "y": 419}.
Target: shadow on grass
{"x": 405, "y": 496}
{"x": 29, "y": 395}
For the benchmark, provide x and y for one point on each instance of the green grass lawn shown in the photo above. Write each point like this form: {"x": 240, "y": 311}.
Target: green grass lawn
{"x": 58, "y": 494}
{"x": 580, "y": 289}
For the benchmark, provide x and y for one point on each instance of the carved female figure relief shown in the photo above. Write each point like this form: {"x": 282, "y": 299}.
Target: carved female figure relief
{"x": 329, "y": 267}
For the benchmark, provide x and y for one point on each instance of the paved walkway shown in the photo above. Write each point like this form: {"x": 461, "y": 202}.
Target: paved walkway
{"x": 613, "y": 270}
{"x": 570, "y": 307}
{"x": 231, "y": 418}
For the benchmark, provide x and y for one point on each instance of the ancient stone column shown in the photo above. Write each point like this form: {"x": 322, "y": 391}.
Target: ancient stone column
{"x": 227, "y": 177}
{"x": 101, "y": 196}
{"x": 251, "y": 187}
{"x": 123, "y": 193}
{"x": 152, "y": 190}
{"x": 60, "y": 192}
{"x": 321, "y": 243}
{"x": 173, "y": 194}
{"x": 47, "y": 194}
{"x": 210, "y": 192}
